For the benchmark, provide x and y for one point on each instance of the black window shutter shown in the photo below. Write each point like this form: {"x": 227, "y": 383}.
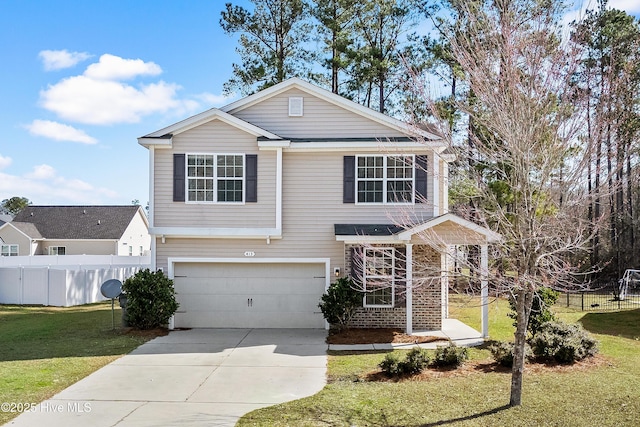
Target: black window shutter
{"x": 252, "y": 178}
{"x": 349, "y": 180}
{"x": 179, "y": 177}
{"x": 421, "y": 179}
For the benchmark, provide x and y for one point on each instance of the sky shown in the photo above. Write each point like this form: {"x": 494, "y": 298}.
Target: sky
{"x": 81, "y": 80}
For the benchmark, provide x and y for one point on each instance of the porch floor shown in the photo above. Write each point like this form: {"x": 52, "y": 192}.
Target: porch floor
{"x": 453, "y": 329}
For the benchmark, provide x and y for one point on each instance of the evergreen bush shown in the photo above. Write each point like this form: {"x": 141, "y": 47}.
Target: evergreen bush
{"x": 502, "y": 352}
{"x": 563, "y": 342}
{"x": 151, "y": 299}
{"x": 415, "y": 361}
{"x": 450, "y": 355}
{"x": 340, "y": 302}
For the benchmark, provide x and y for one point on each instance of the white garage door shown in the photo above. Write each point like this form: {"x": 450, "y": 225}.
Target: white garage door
{"x": 241, "y": 295}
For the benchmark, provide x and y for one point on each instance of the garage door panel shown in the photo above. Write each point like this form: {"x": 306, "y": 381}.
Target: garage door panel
{"x": 248, "y": 295}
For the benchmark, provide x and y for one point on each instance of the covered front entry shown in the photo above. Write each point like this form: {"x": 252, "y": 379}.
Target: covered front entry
{"x": 226, "y": 294}
{"x": 418, "y": 278}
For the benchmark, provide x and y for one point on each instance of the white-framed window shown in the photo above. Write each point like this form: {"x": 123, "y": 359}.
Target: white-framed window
{"x": 215, "y": 178}
{"x": 9, "y": 250}
{"x": 130, "y": 250}
{"x": 141, "y": 251}
{"x": 57, "y": 250}
{"x": 379, "y": 277}
{"x": 385, "y": 179}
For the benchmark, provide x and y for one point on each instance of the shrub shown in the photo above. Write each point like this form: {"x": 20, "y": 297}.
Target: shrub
{"x": 415, "y": 361}
{"x": 450, "y": 355}
{"x": 151, "y": 299}
{"x": 390, "y": 365}
{"x": 502, "y": 352}
{"x": 541, "y": 312}
{"x": 563, "y": 342}
{"x": 340, "y": 302}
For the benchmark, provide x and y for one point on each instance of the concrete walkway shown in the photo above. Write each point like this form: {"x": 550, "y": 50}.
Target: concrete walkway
{"x": 199, "y": 377}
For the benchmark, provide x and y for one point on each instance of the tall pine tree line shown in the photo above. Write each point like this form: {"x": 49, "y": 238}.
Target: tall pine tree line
{"x": 370, "y": 51}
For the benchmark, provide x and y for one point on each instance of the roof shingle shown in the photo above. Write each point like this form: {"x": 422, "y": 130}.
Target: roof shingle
{"x": 76, "y": 222}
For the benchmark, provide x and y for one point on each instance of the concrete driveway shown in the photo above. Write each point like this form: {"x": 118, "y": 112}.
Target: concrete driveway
{"x": 198, "y": 377}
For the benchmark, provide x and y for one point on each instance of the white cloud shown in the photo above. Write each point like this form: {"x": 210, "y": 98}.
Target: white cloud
{"x": 98, "y": 97}
{"x": 213, "y": 100}
{"x": 59, "y": 132}
{"x": 629, "y": 6}
{"x": 4, "y": 162}
{"x": 59, "y": 59}
{"x": 44, "y": 186}
{"x": 111, "y": 67}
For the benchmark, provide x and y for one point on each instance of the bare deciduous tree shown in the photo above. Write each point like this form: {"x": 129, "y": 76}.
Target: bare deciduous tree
{"x": 528, "y": 169}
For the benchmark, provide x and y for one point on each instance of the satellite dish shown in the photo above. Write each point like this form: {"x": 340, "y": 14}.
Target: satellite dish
{"x": 112, "y": 288}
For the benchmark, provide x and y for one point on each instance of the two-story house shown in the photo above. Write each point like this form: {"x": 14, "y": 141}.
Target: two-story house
{"x": 257, "y": 206}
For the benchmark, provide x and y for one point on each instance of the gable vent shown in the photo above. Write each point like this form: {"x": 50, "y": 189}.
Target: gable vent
{"x": 296, "y": 104}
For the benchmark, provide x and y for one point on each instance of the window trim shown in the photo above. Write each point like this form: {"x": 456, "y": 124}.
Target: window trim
{"x": 10, "y": 252}
{"x": 215, "y": 179}
{"x": 385, "y": 180}
{"x": 392, "y": 277}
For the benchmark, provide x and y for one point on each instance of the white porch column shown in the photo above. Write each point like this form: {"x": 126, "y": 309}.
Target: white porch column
{"x": 484, "y": 288}
{"x": 444, "y": 282}
{"x": 409, "y": 287}
{"x": 436, "y": 185}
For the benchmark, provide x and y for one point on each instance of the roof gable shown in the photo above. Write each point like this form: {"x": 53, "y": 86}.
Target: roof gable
{"x": 76, "y": 222}
{"x": 165, "y": 136}
{"x": 332, "y": 98}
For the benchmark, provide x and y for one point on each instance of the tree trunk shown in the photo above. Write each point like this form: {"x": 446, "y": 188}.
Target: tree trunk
{"x": 524, "y": 300}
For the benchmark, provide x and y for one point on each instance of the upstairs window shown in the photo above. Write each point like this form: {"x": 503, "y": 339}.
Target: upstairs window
{"x": 385, "y": 179}
{"x": 9, "y": 250}
{"x": 215, "y": 178}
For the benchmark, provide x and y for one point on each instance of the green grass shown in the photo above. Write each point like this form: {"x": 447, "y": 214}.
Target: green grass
{"x": 45, "y": 349}
{"x": 606, "y": 394}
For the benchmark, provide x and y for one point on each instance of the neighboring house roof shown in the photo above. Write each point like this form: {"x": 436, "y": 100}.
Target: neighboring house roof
{"x": 28, "y": 229}
{"x": 75, "y": 222}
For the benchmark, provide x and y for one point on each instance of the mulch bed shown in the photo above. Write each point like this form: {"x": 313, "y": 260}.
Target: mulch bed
{"x": 377, "y": 336}
{"x": 489, "y": 366}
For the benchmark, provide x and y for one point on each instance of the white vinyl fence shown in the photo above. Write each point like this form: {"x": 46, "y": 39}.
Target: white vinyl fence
{"x": 59, "y": 285}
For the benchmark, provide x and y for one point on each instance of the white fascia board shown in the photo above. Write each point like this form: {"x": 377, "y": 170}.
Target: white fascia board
{"x": 362, "y": 240}
{"x": 331, "y": 97}
{"x": 274, "y": 144}
{"x": 156, "y": 142}
{"x": 199, "y": 119}
{"x": 217, "y": 233}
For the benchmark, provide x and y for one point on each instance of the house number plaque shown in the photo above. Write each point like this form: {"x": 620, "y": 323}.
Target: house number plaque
{"x": 249, "y": 253}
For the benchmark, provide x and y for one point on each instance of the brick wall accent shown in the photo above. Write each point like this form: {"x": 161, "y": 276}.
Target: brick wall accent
{"x": 427, "y": 296}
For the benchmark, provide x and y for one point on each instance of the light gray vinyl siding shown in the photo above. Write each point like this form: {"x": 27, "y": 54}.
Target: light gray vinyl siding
{"x": 321, "y": 119}
{"x": 214, "y": 137}
{"x": 312, "y": 204}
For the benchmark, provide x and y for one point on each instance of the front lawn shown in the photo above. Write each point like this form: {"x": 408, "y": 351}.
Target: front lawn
{"x": 605, "y": 393}
{"x": 43, "y": 350}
